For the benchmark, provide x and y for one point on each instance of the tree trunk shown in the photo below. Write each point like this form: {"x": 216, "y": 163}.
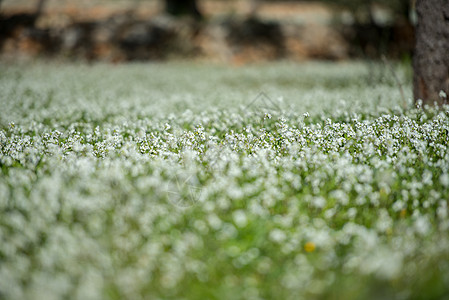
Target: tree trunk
{"x": 431, "y": 58}
{"x": 40, "y": 7}
{"x": 182, "y": 7}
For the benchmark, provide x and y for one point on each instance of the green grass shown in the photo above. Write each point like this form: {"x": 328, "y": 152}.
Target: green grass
{"x": 183, "y": 181}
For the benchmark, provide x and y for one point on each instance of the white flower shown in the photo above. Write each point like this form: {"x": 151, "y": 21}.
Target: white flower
{"x": 422, "y": 225}
{"x": 277, "y": 235}
{"x": 318, "y": 202}
{"x": 240, "y": 218}
{"x": 444, "y": 180}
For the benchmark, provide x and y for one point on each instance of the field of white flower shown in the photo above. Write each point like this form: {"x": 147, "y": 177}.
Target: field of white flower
{"x": 189, "y": 181}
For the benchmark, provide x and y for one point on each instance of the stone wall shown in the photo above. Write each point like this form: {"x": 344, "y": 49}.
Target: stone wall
{"x": 129, "y": 35}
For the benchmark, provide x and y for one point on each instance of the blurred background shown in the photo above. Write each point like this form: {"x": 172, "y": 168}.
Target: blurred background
{"x": 227, "y": 31}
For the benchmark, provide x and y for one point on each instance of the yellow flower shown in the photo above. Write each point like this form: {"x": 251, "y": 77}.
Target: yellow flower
{"x": 309, "y": 247}
{"x": 403, "y": 213}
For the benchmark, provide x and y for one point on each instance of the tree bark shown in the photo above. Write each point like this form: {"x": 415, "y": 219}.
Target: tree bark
{"x": 40, "y": 7}
{"x": 431, "y": 57}
{"x": 183, "y": 7}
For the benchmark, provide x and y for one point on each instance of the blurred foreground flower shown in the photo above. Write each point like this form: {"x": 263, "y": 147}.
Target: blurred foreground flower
{"x": 309, "y": 247}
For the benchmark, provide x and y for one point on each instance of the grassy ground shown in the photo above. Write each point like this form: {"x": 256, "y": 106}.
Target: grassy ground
{"x": 190, "y": 181}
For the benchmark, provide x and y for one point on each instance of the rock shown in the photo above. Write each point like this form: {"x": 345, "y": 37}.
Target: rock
{"x": 322, "y": 42}
{"x": 253, "y": 40}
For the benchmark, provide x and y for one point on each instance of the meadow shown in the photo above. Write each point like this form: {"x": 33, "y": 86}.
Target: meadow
{"x": 192, "y": 181}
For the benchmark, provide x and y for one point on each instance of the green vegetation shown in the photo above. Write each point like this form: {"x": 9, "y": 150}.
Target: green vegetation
{"x": 183, "y": 181}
